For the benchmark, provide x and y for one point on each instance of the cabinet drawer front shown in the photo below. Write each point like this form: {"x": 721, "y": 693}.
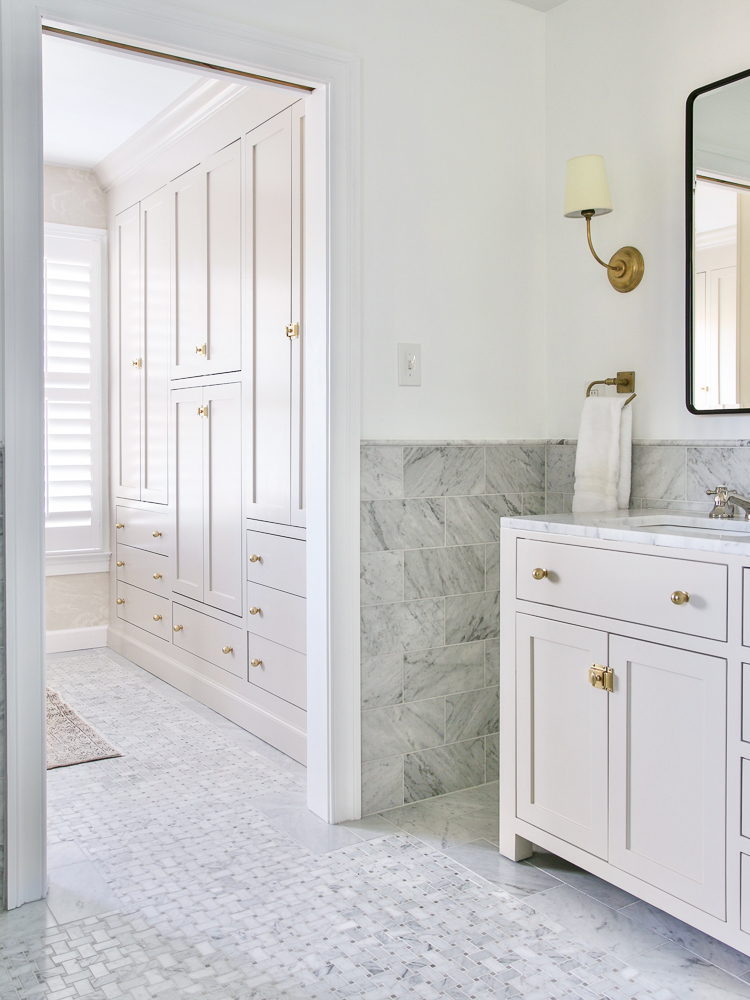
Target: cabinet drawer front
{"x": 143, "y": 569}
{"x": 281, "y": 617}
{"x": 144, "y": 529}
{"x": 281, "y": 562}
{"x": 281, "y": 671}
{"x": 208, "y": 637}
{"x": 626, "y": 586}
{"x": 145, "y": 610}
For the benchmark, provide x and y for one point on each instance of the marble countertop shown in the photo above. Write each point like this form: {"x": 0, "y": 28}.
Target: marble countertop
{"x": 672, "y": 529}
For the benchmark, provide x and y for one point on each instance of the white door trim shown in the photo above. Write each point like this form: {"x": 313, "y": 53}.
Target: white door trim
{"x": 333, "y": 277}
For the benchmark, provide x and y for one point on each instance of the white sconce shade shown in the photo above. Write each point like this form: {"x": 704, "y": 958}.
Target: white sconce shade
{"x": 586, "y": 187}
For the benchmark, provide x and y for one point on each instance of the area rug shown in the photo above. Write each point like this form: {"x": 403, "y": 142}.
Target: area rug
{"x": 70, "y": 739}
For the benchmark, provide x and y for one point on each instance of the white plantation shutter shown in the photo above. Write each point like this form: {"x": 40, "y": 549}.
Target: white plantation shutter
{"x": 73, "y": 270}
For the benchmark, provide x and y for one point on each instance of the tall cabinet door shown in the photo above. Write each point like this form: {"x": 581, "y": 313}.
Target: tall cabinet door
{"x": 667, "y": 769}
{"x": 561, "y": 732}
{"x": 188, "y": 429}
{"x": 297, "y": 491}
{"x": 269, "y": 248}
{"x": 189, "y": 256}
{"x": 127, "y": 330}
{"x": 156, "y": 245}
{"x": 222, "y": 462}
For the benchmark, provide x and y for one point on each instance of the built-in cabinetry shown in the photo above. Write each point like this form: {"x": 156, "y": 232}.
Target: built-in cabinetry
{"x": 621, "y": 733}
{"x": 208, "y": 457}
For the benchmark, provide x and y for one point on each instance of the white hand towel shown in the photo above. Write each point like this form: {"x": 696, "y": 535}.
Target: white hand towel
{"x": 603, "y": 456}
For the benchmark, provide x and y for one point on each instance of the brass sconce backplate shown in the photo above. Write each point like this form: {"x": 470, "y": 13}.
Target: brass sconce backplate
{"x": 625, "y": 269}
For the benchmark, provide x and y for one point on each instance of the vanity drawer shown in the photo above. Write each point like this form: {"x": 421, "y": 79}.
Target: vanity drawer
{"x": 280, "y": 563}
{"x": 208, "y": 637}
{"x": 281, "y": 671}
{"x": 143, "y": 569}
{"x": 144, "y": 529}
{"x": 745, "y": 800}
{"x": 281, "y": 617}
{"x": 626, "y": 586}
{"x": 145, "y": 610}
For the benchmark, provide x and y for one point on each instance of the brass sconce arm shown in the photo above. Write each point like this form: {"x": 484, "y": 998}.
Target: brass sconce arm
{"x": 625, "y": 268}
{"x": 619, "y": 267}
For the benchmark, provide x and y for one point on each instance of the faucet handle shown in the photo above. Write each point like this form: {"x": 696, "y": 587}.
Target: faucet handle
{"x": 718, "y": 491}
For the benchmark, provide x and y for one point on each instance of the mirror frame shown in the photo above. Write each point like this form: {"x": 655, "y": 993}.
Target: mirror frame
{"x": 689, "y": 246}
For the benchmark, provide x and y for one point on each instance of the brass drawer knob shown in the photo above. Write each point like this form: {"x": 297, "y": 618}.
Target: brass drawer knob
{"x": 539, "y": 573}
{"x": 226, "y": 649}
{"x": 118, "y": 525}
{"x": 157, "y": 618}
{"x": 254, "y": 611}
{"x": 256, "y": 663}
{"x": 157, "y": 576}
{"x": 254, "y": 558}
{"x": 120, "y": 562}
{"x": 156, "y": 534}
{"x": 177, "y": 628}
{"x": 120, "y": 600}
{"x": 680, "y": 597}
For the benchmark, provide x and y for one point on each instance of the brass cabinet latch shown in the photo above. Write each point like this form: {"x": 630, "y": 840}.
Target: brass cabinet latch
{"x": 292, "y": 330}
{"x": 602, "y": 678}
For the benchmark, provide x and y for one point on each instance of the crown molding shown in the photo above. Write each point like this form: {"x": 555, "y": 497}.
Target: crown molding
{"x": 189, "y": 111}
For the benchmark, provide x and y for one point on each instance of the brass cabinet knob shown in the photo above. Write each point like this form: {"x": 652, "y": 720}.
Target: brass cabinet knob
{"x": 177, "y": 628}
{"x": 539, "y": 573}
{"x": 157, "y": 576}
{"x": 118, "y": 525}
{"x": 120, "y": 600}
{"x": 226, "y": 649}
{"x": 680, "y": 597}
{"x": 201, "y": 349}
{"x": 138, "y": 363}
{"x": 256, "y": 663}
{"x": 254, "y": 558}
{"x": 254, "y": 611}
{"x": 156, "y": 534}
{"x": 157, "y": 618}
{"x": 120, "y": 562}
{"x": 292, "y": 330}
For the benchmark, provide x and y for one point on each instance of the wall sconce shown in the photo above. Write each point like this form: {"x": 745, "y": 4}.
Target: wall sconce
{"x": 587, "y": 195}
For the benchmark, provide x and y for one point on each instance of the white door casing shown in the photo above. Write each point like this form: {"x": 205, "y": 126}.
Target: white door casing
{"x": 156, "y": 272}
{"x": 127, "y": 311}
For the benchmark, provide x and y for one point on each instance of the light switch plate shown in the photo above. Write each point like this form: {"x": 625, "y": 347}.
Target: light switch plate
{"x": 409, "y": 364}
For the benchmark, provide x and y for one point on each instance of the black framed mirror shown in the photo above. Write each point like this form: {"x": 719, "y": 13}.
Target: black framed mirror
{"x": 717, "y": 216}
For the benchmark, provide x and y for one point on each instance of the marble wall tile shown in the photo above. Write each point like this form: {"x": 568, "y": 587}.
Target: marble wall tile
{"x": 440, "y": 472}
{"x": 561, "y": 461}
{"x": 491, "y": 662}
{"x": 472, "y": 617}
{"x": 401, "y": 524}
{"x": 382, "y": 785}
{"x": 446, "y": 670}
{"x": 381, "y": 472}
{"x": 711, "y": 467}
{"x": 492, "y": 566}
{"x": 555, "y": 503}
{"x": 492, "y": 757}
{"x": 469, "y": 520}
{"x": 534, "y": 503}
{"x": 381, "y": 577}
{"x": 444, "y": 769}
{"x": 393, "y": 628}
{"x": 471, "y": 714}
{"x": 515, "y": 468}
{"x": 400, "y": 729}
{"x": 683, "y": 505}
{"x": 457, "y": 569}
{"x": 658, "y": 472}
{"x": 382, "y": 681}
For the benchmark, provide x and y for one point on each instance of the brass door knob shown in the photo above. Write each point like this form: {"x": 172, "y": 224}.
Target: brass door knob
{"x": 157, "y": 576}
{"x": 539, "y": 573}
{"x": 177, "y": 628}
{"x": 120, "y": 600}
{"x": 256, "y": 663}
{"x": 254, "y": 558}
{"x": 680, "y": 597}
{"x": 226, "y": 649}
{"x": 157, "y": 618}
{"x": 118, "y": 525}
{"x": 156, "y": 534}
{"x": 254, "y": 611}
{"x": 120, "y": 562}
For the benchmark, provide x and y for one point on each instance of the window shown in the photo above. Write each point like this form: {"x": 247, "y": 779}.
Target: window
{"x": 74, "y": 304}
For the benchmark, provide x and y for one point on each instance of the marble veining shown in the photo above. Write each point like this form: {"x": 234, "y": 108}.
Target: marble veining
{"x": 382, "y": 577}
{"x": 710, "y": 467}
{"x": 382, "y": 681}
{"x": 445, "y": 670}
{"x": 432, "y": 472}
{"x": 443, "y": 769}
{"x": 472, "y": 616}
{"x": 402, "y": 524}
{"x": 382, "y": 784}
{"x": 515, "y": 468}
{"x": 471, "y": 714}
{"x": 381, "y": 472}
{"x": 393, "y": 628}
{"x": 399, "y": 729}
{"x": 473, "y": 519}
{"x": 440, "y": 572}
{"x": 658, "y": 473}
{"x": 561, "y": 459}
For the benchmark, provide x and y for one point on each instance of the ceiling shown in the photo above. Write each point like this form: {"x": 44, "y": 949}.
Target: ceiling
{"x": 541, "y": 4}
{"x": 95, "y": 98}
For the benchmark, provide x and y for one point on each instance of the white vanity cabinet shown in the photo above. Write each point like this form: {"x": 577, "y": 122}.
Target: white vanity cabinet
{"x": 639, "y": 778}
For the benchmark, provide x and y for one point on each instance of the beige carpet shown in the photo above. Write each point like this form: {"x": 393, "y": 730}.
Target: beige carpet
{"x": 70, "y": 739}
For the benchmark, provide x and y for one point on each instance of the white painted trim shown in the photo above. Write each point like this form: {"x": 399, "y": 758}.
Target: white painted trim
{"x": 61, "y": 640}
{"x": 73, "y": 563}
{"x": 333, "y": 266}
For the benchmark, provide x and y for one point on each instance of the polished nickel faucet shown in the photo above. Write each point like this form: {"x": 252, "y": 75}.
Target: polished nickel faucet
{"x": 726, "y": 502}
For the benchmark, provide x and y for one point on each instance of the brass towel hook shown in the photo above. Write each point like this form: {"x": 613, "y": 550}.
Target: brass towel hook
{"x": 625, "y": 382}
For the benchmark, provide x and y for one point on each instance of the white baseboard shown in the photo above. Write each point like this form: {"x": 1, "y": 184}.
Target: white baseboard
{"x": 64, "y": 639}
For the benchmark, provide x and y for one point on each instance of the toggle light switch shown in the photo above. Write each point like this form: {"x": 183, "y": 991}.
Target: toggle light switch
{"x": 409, "y": 364}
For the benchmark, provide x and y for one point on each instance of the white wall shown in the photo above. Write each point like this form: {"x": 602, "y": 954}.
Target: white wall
{"x": 452, "y": 138}
{"x": 617, "y": 81}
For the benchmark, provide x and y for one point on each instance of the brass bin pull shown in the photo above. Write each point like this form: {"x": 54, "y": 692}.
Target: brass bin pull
{"x": 120, "y": 562}
{"x": 680, "y": 597}
{"x": 256, "y": 663}
{"x": 226, "y": 649}
{"x": 118, "y": 525}
{"x": 254, "y": 558}
{"x": 602, "y": 678}
{"x": 157, "y": 618}
{"x": 539, "y": 573}
{"x": 120, "y": 600}
{"x": 177, "y": 628}
{"x": 254, "y": 611}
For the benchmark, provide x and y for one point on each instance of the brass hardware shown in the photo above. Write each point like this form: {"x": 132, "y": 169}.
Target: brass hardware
{"x": 120, "y": 600}
{"x": 203, "y": 411}
{"x": 680, "y": 597}
{"x": 292, "y": 330}
{"x": 625, "y": 268}
{"x": 254, "y": 558}
{"x": 157, "y": 618}
{"x": 625, "y": 382}
{"x": 226, "y": 649}
{"x": 177, "y": 628}
{"x": 138, "y": 363}
{"x": 539, "y": 573}
{"x": 118, "y": 525}
{"x": 602, "y": 678}
{"x": 156, "y": 534}
{"x": 120, "y": 562}
{"x": 201, "y": 350}
{"x": 256, "y": 663}
{"x": 157, "y": 576}
{"x": 254, "y": 611}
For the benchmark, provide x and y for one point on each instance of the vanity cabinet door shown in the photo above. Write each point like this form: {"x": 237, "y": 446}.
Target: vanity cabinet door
{"x": 668, "y": 769}
{"x": 561, "y": 732}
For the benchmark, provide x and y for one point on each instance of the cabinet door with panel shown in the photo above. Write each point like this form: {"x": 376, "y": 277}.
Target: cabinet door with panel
{"x": 156, "y": 269}
{"x": 668, "y": 768}
{"x": 127, "y": 333}
{"x": 187, "y": 429}
{"x": 561, "y": 730}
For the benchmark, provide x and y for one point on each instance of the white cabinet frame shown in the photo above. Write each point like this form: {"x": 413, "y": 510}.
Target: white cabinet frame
{"x": 332, "y": 268}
